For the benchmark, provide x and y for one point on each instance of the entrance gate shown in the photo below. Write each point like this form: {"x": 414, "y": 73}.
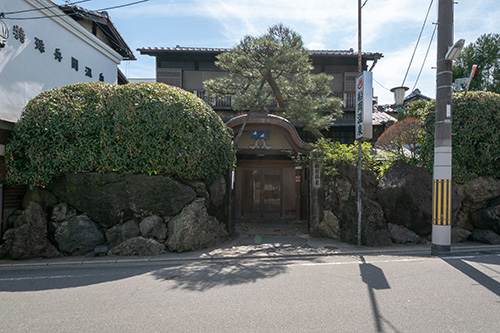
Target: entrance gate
{"x": 267, "y": 185}
{"x": 266, "y": 190}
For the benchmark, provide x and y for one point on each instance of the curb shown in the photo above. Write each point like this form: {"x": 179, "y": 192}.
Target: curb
{"x": 221, "y": 258}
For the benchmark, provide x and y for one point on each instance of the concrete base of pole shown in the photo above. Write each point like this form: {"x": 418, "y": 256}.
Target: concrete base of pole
{"x": 437, "y": 250}
{"x": 441, "y": 239}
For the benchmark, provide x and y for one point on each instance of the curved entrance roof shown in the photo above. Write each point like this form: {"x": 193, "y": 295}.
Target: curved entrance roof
{"x": 267, "y": 134}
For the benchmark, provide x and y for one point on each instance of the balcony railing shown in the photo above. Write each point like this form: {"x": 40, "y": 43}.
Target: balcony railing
{"x": 348, "y": 98}
{"x": 225, "y": 102}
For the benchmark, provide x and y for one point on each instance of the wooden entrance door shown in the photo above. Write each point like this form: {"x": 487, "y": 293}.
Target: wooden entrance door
{"x": 266, "y": 190}
{"x": 262, "y": 193}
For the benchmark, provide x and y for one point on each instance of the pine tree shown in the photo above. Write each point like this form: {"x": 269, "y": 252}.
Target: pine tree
{"x": 485, "y": 53}
{"x": 276, "y": 68}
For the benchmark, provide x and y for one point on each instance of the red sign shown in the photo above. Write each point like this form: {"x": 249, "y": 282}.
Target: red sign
{"x": 297, "y": 179}
{"x": 360, "y": 83}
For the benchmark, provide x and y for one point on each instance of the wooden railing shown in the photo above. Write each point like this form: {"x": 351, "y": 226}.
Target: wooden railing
{"x": 348, "y": 98}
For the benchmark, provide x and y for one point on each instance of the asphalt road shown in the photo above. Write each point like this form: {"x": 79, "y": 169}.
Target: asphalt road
{"x": 327, "y": 294}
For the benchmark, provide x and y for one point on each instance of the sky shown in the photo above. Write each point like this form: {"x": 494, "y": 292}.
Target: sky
{"x": 390, "y": 27}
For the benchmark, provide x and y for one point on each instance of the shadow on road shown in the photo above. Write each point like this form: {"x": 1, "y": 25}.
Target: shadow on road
{"x": 203, "y": 276}
{"x": 51, "y": 278}
{"x": 375, "y": 279}
{"x": 477, "y": 275}
{"x": 196, "y": 276}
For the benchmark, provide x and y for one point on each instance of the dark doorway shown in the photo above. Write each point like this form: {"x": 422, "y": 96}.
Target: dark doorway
{"x": 266, "y": 190}
{"x": 262, "y": 194}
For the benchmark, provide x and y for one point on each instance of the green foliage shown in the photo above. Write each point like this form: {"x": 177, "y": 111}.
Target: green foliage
{"x": 147, "y": 128}
{"x": 331, "y": 153}
{"x": 475, "y": 139}
{"x": 417, "y": 109}
{"x": 275, "y": 67}
{"x": 485, "y": 53}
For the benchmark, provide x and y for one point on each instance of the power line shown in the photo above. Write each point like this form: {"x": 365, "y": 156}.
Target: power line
{"x": 69, "y": 14}
{"x": 418, "y": 40}
{"x": 380, "y": 84}
{"x": 35, "y": 9}
{"x": 425, "y": 58}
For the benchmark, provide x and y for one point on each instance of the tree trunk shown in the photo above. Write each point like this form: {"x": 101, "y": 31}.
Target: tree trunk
{"x": 240, "y": 132}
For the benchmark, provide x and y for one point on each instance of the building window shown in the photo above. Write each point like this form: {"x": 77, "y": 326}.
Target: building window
{"x": 350, "y": 82}
{"x": 185, "y": 65}
{"x": 207, "y": 66}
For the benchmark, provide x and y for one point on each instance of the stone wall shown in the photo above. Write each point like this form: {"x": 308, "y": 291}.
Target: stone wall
{"x": 111, "y": 214}
{"x": 397, "y": 208}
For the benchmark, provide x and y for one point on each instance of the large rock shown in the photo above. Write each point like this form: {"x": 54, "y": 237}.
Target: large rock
{"x": 110, "y": 199}
{"x": 78, "y": 236}
{"x": 44, "y": 198}
{"x": 485, "y": 236}
{"x": 373, "y": 228}
{"x": 344, "y": 187}
{"x": 138, "y": 246}
{"x": 61, "y": 212}
{"x": 194, "y": 229}
{"x": 154, "y": 227}
{"x": 402, "y": 235}
{"x": 29, "y": 240}
{"x": 459, "y": 235}
{"x": 481, "y": 190}
{"x": 218, "y": 191}
{"x": 330, "y": 225}
{"x": 405, "y": 193}
{"x": 121, "y": 232}
{"x": 488, "y": 218}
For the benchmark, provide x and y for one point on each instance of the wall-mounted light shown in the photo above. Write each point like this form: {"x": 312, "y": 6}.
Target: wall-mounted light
{"x": 455, "y": 50}
{"x": 4, "y": 32}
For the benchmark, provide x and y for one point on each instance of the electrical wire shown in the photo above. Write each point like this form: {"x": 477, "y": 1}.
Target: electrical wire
{"x": 380, "y": 84}
{"x": 364, "y": 3}
{"x": 35, "y": 9}
{"x": 418, "y": 40}
{"x": 425, "y": 58}
{"x": 69, "y": 14}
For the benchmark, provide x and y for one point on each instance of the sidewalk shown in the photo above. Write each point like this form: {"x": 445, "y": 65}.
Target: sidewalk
{"x": 260, "y": 242}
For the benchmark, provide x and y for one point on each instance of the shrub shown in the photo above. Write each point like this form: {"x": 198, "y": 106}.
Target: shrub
{"x": 331, "y": 153}
{"x": 475, "y": 139}
{"x": 402, "y": 138}
{"x": 147, "y": 128}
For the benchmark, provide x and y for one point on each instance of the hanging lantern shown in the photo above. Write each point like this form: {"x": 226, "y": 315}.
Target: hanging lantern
{"x": 399, "y": 94}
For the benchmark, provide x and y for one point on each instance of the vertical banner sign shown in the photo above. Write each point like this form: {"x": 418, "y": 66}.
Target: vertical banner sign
{"x": 364, "y": 106}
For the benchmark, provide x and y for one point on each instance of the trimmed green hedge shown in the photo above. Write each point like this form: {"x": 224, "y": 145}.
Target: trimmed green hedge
{"x": 475, "y": 139}
{"x": 147, "y": 128}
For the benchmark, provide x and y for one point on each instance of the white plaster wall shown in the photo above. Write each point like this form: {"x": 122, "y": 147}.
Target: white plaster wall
{"x": 25, "y": 71}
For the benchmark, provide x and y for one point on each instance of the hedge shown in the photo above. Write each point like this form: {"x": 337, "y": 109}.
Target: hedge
{"x": 146, "y": 128}
{"x": 475, "y": 138}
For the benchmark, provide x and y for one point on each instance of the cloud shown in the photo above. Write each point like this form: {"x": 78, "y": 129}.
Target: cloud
{"x": 390, "y": 27}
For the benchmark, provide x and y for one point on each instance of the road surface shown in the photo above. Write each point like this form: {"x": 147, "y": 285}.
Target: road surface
{"x": 378, "y": 293}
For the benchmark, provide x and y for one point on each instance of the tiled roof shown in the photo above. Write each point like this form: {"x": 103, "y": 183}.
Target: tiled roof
{"x": 178, "y": 48}
{"x": 350, "y": 52}
{"x": 103, "y": 20}
{"x": 381, "y": 118}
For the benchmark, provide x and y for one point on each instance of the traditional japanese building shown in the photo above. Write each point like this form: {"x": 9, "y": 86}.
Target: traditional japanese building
{"x": 268, "y": 185}
{"x": 45, "y": 46}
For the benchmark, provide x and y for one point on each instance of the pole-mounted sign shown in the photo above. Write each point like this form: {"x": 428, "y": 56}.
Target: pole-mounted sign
{"x": 364, "y": 106}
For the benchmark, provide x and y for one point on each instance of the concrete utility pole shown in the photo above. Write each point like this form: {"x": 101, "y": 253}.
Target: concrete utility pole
{"x": 360, "y": 152}
{"x": 441, "y": 190}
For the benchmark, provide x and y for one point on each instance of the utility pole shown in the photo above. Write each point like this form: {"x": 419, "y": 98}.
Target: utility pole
{"x": 441, "y": 189}
{"x": 360, "y": 71}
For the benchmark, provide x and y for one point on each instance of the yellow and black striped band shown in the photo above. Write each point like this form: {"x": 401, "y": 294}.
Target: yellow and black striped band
{"x": 441, "y": 202}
